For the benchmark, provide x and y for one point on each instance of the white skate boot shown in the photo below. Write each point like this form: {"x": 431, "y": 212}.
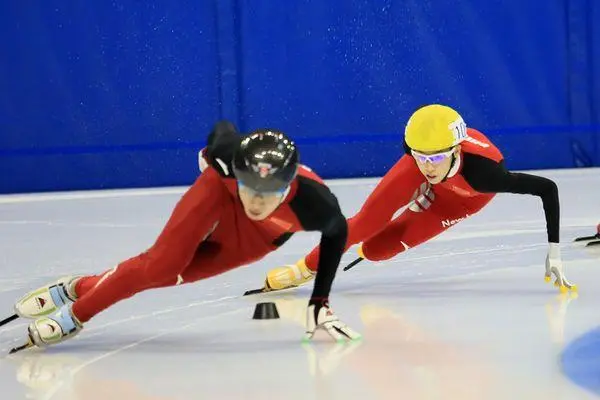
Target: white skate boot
{"x": 47, "y": 299}
{"x": 53, "y": 329}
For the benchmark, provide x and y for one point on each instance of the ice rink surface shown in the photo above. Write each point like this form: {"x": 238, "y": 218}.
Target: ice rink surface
{"x": 466, "y": 316}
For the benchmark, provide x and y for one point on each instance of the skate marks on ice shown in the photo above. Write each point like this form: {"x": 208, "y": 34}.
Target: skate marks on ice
{"x": 401, "y": 356}
{"x": 45, "y": 358}
{"x": 218, "y": 348}
{"x": 95, "y": 330}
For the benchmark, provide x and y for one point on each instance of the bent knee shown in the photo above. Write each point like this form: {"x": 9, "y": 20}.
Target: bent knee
{"x": 381, "y": 250}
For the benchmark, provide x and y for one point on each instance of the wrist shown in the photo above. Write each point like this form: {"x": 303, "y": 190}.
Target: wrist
{"x": 318, "y": 300}
{"x": 554, "y": 250}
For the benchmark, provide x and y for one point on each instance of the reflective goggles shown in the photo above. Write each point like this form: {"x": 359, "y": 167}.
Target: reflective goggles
{"x": 253, "y": 192}
{"x": 432, "y": 158}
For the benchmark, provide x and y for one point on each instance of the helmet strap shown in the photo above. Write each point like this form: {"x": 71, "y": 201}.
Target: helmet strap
{"x": 285, "y": 194}
{"x": 454, "y": 166}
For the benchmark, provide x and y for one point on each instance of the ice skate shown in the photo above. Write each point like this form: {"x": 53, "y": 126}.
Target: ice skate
{"x": 589, "y": 241}
{"x": 53, "y": 329}
{"x": 286, "y": 277}
{"x": 289, "y": 276}
{"x": 47, "y": 299}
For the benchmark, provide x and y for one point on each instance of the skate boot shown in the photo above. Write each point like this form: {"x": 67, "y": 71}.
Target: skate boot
{"x": 53, "y": 329}
{"x": 289, "y": 276}
{"x": 47, "y": 299}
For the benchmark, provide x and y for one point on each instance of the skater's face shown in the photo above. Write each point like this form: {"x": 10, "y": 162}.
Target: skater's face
{"x": 259, "y": 206}
{"x": 435, "y": 165}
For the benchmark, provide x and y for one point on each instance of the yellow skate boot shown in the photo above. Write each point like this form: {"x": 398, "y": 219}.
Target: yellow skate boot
{"x": 289, "y": 276}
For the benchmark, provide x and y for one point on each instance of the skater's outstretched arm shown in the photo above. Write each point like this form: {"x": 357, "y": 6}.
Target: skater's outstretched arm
{"x": 488, "y": 176}
{"x": 317, "y": 209}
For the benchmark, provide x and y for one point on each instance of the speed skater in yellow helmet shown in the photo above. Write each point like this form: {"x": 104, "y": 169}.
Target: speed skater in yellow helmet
{"x": 434, "y": 128}
{"x": 432, "y": 136}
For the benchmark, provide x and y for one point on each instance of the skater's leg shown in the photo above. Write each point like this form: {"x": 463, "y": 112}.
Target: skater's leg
{"x": 417, "y": 225}
{"x": 123, "y": 281}
{"x": 127, "y": 279}
{"x": 132, "y": 277}
{"x": 212, "y": 260}
{"x": 375, "y": 215}
{"x": 86, "y": 284}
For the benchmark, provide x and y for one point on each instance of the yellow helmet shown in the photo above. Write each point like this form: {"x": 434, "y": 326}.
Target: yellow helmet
{"x": 434, "y": 128}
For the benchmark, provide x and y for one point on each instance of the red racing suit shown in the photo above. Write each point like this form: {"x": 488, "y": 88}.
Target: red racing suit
{"x": 474, "y": 179}
{"x": 208, "y": 233}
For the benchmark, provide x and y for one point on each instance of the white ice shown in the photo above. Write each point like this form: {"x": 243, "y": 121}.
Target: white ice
{"x": 466, "y": 316}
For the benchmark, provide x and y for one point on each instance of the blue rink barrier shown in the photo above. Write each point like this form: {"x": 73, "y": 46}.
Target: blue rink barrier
{"x": 100, "y": 95}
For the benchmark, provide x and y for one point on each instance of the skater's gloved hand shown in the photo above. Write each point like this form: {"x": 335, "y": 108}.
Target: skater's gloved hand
{"x": 321, "y": 316}
{"x": 554, "y": 267}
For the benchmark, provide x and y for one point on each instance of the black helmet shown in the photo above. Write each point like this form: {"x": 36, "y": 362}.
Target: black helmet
{"x": 266, "y": 161}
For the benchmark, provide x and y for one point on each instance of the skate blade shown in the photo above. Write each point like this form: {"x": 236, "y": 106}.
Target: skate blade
{"x": 9, "y": 319}
{"x": 587, "y": 240}
{"x": 255, "y": 291}
{"x": 22, "y": 347}
{"x": 266, "y": 290}
{"x": 353, "y": 263}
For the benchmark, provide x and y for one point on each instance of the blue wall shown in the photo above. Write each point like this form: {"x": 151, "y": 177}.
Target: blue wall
{"x": 122, "y": 94}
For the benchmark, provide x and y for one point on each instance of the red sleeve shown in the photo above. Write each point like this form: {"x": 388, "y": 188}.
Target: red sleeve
{"x": 195, "y": 216}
